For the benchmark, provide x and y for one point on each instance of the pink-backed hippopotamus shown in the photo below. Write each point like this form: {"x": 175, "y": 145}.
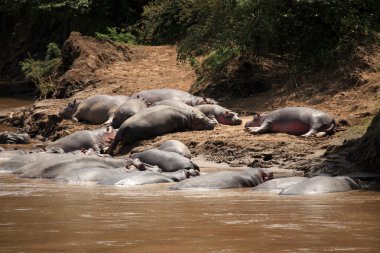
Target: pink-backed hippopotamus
{"x": 86, "y": 139}
{"x": 220, "y": 114}
{"x": 302, "y": 121}
{"x": 155, "y": 95}
{"x": 98, "y": 109}
{"x": 306, "y": 186}
{"x": 249, "y": 177}
{"x": 159, "y": 120}
{"x": 127, "y": 110}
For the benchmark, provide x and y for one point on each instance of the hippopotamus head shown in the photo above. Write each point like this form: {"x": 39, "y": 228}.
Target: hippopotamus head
{"x": 230, "y": 118}
{"x": 108, "y": 134}
{"x": 69, "y": 110}
{"x": 256, "y": 121}
{"x": 201, "y": 122}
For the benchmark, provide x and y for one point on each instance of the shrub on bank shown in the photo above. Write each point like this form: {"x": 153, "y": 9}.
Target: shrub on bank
{"x": 40, "y": 72}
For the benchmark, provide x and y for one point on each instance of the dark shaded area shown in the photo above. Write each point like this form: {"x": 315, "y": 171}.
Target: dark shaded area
{"x": 367, "y": 152}
{"x": 26, "y": 27}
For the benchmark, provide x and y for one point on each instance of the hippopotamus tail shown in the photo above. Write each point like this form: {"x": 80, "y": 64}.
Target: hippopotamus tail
{"x": 196, "y": 167}
{"x": 331, "y": 129}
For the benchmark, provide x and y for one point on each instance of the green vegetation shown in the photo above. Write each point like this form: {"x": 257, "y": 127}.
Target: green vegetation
{"x": 40, "y": 72}
{"x": 309, "y": 33}
{"x": 113, "y": 34}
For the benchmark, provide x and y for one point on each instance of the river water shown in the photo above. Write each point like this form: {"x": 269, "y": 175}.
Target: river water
{"x": 44, "y": 216}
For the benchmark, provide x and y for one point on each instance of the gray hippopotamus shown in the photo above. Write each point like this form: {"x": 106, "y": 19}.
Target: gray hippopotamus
{"x": 166, "y": 161}
{"x": 55, "y": 165}
{"x": 321, "y": 184}
{"x": 98, "y": 109}
{"x": 175, "y": 146}
{"x": 14, "y": 138}
{"x": 174, "y": 103}
{"x": 293, "y": 120}
{"x": 86, "y": 139}
{"x": 159, "y": 120}
{"x": 127, "y": 110}
{"x": 155, "y": 95}
{"x": 220, "y": 114}
{"x": 249, "y": 177}
{"x": 304, "y": 185}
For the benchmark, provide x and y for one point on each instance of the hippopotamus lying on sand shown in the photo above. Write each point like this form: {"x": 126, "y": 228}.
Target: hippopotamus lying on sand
{"x": 220, "y": 114}
{"x": 176, "y": 147}
{"x": 305, "y": 186}
{"x": 86, "y": 139}
{"x": 127, "y": 110}
{"x": 249, "y": 177}
{"x": 293, "y": 120}
{"x": 98, "y": 109}
{"x": 159, "y": 120}
{"x": 155, "y": 95}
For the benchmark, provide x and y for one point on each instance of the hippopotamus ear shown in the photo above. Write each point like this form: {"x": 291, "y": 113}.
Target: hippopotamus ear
{"x": 256, "y": 116}
{"x": 228, "y": 114}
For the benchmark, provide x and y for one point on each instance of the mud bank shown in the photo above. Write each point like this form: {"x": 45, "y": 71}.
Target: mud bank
{"x": 151, "y": 67}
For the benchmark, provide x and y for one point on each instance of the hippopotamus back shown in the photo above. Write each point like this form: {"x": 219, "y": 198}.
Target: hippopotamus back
{"x": 224, "y": 179}
{"x": 156, "y": 95}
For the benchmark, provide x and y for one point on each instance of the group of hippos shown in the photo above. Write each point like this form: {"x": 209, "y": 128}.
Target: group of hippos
{"x": 87, "y": 156}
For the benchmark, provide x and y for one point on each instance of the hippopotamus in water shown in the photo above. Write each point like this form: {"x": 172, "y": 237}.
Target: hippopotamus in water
{"x": 54, "y": 165}
{"x": 304, "y": 185}
{"x": 176, "y": 147}
{"x": 90, "y": 175}
{"x": 127, "y": 110}
{"x": 155, "y": 95}
{"x": 86, "y": 139}
{"x": 159, "y": 120}
{"x": 321, "y": 184}
{"x": 98, "y": 109}
{"x": 293, "y": 120}
{"x": 167, "y": 161}
{"x": 278, "y": 184}
{"x": 249, "y": 177}
{"x": 14, "y": 138}
{"x": 220, "y": 114}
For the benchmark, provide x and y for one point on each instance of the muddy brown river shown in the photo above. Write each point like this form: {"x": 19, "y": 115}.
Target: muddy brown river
{"x": 43, "y": 216}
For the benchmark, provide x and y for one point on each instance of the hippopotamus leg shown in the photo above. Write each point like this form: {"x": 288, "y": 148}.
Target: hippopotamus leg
{"x": 264, "y": 128}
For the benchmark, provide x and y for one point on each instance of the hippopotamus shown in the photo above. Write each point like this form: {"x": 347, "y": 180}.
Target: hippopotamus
{"x": 127, "y": 110}
{"x": 98, "y": 109}
{"x": 86, "y": 139}
{"x": 159, "y": 120}
{"x": 302, "y": 121}
{"x": 90, "y": 175}
{"x": 14, "y": 138}
{"x": 321, "y": 184}
{"x": 55, "y": 165}
{"x": 167, "y": 161}
{"x": 176, "y": 147}
{"x": 174, "y": 103}
{"x": 220, "y": 114}
{"x": 249, "y": 177}
{"x": 12, "y": 161}
{"x": 278, "y": 184}
{"x": 155, "y": 95}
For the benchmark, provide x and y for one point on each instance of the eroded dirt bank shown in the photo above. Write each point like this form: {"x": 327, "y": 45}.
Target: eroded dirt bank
{"x": 150, "y": 67}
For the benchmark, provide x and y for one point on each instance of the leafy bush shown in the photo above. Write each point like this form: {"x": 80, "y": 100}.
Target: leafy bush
{"x": 115, "y": 35}
{"x": 40, "y": 72}
{"x": 309, "y": 33}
